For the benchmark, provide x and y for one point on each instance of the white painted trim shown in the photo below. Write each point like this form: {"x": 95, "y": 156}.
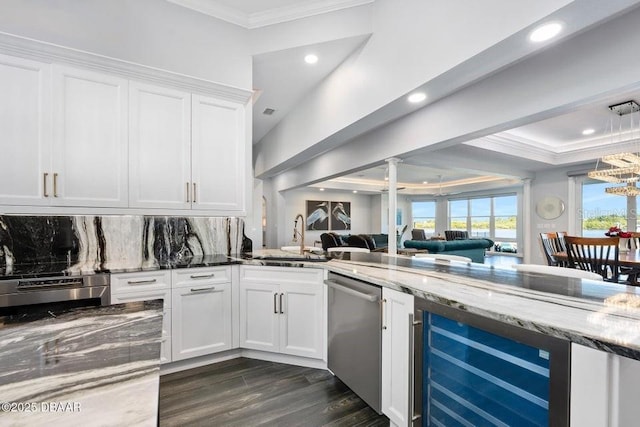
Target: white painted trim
{"x": 216, "y": 10}
{"x": 195, "y": 362}
{"x": 298, "y": 11}
{"x": 71, "y": 210}
{"x": 51, "y": 53}
{"x": 270, "y": 16}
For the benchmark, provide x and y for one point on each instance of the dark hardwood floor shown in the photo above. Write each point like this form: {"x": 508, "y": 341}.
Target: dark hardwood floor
{"x": 247, "y": 392}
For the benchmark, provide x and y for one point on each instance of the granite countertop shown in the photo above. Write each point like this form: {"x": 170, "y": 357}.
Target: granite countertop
{"x": 600, "y": 315}
{"x": 81, "y": 365}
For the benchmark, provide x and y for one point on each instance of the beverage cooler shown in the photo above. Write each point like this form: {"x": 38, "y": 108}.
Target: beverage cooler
{"x": 470, "y": 370}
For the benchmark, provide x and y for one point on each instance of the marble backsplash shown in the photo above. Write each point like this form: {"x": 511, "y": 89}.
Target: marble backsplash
{"x": 90, "y": 243}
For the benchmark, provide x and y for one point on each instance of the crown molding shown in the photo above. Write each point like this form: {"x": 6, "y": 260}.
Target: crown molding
{"x": 216, "y": 10}
{"x": 299, "y": 11}
{"x": 513, "y": 147}
{"x": 50, "y": 53}
{"x": 270, "y": 16}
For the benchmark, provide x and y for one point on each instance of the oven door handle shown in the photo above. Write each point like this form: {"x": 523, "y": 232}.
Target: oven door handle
{"x": 342, "y": 288}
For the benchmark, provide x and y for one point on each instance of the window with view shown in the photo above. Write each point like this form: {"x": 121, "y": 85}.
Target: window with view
{"x": 601, "y": 210}
{"x": 424, "y": 216}
{"x": 494, "y": 217}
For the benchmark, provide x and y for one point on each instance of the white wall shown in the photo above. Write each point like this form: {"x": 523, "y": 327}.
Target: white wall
{"x": 361, "y": 209}
{"x": 554, "y": 182}
{"x": 155, "y": 33}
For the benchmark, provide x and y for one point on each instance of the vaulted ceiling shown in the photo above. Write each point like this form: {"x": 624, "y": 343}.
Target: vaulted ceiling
{"x": 552, "y": 137}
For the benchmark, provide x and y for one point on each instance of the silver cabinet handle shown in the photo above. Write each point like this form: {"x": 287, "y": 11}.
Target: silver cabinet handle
{"x": 411, "y": 416}
{"x": 140, "y": 282}
{"x": 275, "y": 309}
{"x": 194, "y": 192}
{"x": 281, "y": 311}
{"x": 383, "y": 301}
{"x": 55, "y": 185}
{"x": 187, "y": 192}
{"x": 44, "y": 182}
{"x": 202, "y": 276}
{"x": 212, "y": 288}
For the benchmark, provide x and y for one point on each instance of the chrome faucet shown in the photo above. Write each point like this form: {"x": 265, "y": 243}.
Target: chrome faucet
{"x": 296, "y": 233}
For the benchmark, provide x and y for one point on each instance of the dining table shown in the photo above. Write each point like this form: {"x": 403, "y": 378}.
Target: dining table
{"x": 630, "y": 258}
{"x": 628, "y": 262}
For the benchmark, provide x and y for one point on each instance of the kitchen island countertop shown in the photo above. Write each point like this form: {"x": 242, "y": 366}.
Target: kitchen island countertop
{"x": 88, "y": 366}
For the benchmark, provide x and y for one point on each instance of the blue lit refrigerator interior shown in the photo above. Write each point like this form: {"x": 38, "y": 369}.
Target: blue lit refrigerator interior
{"x": 474, "y": 372}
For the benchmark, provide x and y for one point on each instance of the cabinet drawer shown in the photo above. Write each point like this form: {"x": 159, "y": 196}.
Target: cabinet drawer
{"x": 143, "y": 295}
{"x": 263, "y": 274}
{"x": 193, "y": 276}
{"x": 137, "y": 282}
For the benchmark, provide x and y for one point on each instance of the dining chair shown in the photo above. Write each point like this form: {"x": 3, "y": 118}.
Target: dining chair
{"x": 557, "y": 271}
{"x": 551, "y": 244}
{"x": 444, "y": 257}
{"x": 596, "y": 254}
{"x": 634, "y": 241}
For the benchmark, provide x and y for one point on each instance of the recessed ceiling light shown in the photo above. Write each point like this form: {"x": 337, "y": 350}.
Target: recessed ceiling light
{"x": 588, "y": 131}
{"x": 311, "y": 59}
{"x": 545, "y": 32}
{"x": 322, "y": 189}
{"x": 425, "y": 182}
{"x": 416, "y": 97}
{"x": 355, "y": 191}
{"x": 386, "y": 178}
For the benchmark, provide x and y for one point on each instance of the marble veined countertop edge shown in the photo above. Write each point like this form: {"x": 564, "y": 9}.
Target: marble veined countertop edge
{"x": 611, "y": 328}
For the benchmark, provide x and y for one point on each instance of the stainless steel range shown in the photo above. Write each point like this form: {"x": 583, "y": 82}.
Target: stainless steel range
{"x": 53, "y": 293}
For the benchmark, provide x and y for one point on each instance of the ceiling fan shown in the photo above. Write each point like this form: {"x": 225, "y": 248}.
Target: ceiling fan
{"x": 440, "y": 193}
{"x": 385, "y": 189}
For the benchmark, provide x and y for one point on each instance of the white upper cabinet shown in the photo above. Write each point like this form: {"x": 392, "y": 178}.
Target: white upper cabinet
{"x": 186, "y": 151}
{"x": 89, "y": 156}
{"x": 217, "y": 153}
{"x": 78, "y": 138}
{"x": 25, "y": 128}
{"x": 64, "y": 136}
{"x": 159, "y": 147}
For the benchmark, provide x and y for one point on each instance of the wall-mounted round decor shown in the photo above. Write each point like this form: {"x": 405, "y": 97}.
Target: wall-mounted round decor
{"x": 550, "y": 207}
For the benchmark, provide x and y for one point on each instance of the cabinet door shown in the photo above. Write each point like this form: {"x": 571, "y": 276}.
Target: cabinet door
{"x": 26, "y": 133}
{"x": 89, "y": 139}
{"x": 259, "y": 316}
{"x": 201, "y": 320}
{"x": 159, "y": 147}
{"x": 395, "y": 355}
{"x": 217, "y": 149}
{"x": 302, "y": 319}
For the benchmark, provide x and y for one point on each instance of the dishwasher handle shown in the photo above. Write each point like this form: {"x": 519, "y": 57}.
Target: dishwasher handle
{"x": 352, "y": 292}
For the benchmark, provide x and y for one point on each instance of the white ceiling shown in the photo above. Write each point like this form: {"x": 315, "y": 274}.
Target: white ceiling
{"x": 260, "y": 13}
{"x": 282, "y": 78}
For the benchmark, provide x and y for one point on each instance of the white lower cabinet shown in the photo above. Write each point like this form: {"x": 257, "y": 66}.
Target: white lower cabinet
{"x": 282, "y": 310}
{"x": 397, "y": 309}
{"x": 143, "y": 286}
{"x": 202, "y": 312}
{"x": 604, "y": 388}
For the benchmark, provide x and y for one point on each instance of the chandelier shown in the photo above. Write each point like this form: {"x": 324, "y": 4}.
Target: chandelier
{"x": 624, "y": 168}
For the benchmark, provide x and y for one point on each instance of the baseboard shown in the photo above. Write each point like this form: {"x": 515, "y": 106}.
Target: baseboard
{"x": 196, "y": 362}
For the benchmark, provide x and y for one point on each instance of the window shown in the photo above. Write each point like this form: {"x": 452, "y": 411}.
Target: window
{"x": 494, "y": 217}
{"x": 480, "y": 217}
{"x": 458, "y": 214}
{"x": 424, "y": 216}
{"x": 601, "y": 210}
{"x": 505, "y": 212}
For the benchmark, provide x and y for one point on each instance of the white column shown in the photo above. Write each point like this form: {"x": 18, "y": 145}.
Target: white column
{"x": 393, "y": 203}
{"x": 526, "y": 218}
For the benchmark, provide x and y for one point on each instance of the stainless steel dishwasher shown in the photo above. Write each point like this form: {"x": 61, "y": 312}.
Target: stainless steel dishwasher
{"x": 355, "y": 336}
